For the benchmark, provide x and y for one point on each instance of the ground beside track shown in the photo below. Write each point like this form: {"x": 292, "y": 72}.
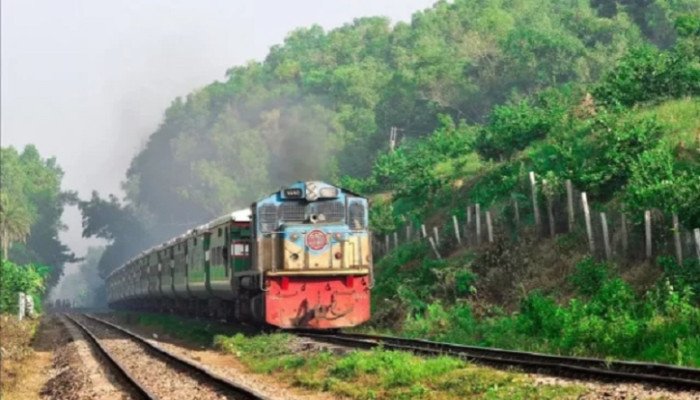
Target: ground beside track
{"x": 301, "y": 364}
{"x": 60, "y": 366}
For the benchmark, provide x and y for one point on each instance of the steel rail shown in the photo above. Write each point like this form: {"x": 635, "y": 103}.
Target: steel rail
{"x": 659, "y": 374}
{"x": 216, "y": 379}
{"x": 115, "y": 365}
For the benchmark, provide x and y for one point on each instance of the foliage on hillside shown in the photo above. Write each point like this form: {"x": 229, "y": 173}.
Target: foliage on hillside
{"x": 605, "y": 319}
{"x": 635, "y": 139}
{"x": 631, "y": 138}
{"x": 31, "y": 205}
{"x": 321, "y": 104}
{"x": 478, "y": 78}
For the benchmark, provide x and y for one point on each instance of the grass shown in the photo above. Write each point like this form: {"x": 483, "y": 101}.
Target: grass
{"x": 16, "y": 355}
{"x": 193, "y": 331}
{"x": 681, "y": 118}
{"x": 376, "y": 374}
{"x": 384, "y": 374}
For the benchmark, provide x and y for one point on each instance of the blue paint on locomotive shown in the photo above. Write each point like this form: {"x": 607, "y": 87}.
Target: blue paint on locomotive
{"x": 308, "y": 194}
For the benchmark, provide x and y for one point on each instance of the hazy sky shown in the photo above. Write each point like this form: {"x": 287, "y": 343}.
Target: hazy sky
{"x": 88, "y": 81}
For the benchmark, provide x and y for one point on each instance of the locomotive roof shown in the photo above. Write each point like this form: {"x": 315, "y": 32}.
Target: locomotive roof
{"x": 347, "y": 191}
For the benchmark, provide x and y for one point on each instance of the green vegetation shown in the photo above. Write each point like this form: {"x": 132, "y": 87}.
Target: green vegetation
{"x": 376, "y": 374}
{"x": 604, "y": 93}
{"x": 465, "y": 82}
{"x": 197, "y": 332}
{"x": 31, "y": 205}
{"x": 439, "y": 299}
{"x": 384, "y": 374}
{"x": 663, "y": 325}
{"x": 29, "y": 279}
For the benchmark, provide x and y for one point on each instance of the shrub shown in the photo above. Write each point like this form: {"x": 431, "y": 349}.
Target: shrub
{"x": 14, "y": 279}
{"x": 659, "y": 181}
{"x": 646, "y": 73}
{"x": 590, "y": 276}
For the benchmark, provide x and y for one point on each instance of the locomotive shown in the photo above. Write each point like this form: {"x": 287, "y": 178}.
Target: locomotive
{"x": 298, "y": 258}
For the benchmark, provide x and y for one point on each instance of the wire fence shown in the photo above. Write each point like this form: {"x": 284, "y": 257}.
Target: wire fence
{"x": 541, "y": 210}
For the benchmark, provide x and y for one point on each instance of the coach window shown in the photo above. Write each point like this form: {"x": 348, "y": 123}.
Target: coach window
{"x": 240, "y": 249}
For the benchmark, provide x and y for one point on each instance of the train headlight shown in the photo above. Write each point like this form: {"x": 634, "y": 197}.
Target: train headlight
{"x": 328, "y": 192}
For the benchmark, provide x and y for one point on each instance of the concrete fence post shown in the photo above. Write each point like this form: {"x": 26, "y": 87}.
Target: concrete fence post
{"x": 606, "y": 236}
{"x": 455, "y": 225}
{"x": 677, "y": 239}
{"x": 489, "y": 227}
{"x": 535, "y": 208}
{"x": 589, "y": 227}
{"x": 432, "y": 244}
{"x": 647, "y": 233}
{"x": 570, "y": 203}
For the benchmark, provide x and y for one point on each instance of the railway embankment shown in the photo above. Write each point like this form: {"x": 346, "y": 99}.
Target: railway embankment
{"x": 305, "y": 367}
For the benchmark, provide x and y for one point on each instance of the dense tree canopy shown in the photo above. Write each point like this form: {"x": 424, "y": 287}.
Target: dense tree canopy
{"x": 321, "y": 104}
{"x": 31, "y": 207}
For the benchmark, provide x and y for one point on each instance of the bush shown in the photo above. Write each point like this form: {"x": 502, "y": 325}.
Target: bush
{"x": 659, "y": 181}
{"x": 512, "y": 127}
{"x": 14, "y": 279}
{"x": 590, "y": 276}
{"x": 646, "y": 74}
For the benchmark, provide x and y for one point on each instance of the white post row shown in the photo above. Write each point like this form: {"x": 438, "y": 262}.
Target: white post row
{"x": 423, "y": 231}
{"x": 396, "y": 239}
{"x": 437, "y": 235}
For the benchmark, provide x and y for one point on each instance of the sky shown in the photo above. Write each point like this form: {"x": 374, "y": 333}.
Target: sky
{"x": 88, "y": 81}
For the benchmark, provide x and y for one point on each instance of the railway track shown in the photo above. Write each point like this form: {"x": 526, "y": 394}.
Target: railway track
{"x": 577, "y": 367}
{"x": 150, "y": 371}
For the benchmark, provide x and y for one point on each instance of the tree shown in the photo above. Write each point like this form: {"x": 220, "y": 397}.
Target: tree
{"x": 32, "y": 204}
{"x": 15, "y": 222}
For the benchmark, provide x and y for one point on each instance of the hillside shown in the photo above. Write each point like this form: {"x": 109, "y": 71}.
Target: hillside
{"x": 631, "y": 141}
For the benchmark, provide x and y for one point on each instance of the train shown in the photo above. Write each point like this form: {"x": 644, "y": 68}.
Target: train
{"x": 300, "y": 258}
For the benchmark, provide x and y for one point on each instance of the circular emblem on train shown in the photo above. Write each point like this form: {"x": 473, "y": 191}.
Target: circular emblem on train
{"x": 316, "y": 240}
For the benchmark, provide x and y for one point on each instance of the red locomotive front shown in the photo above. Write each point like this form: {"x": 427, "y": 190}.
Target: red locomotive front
{"x": 313, "y": 248}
